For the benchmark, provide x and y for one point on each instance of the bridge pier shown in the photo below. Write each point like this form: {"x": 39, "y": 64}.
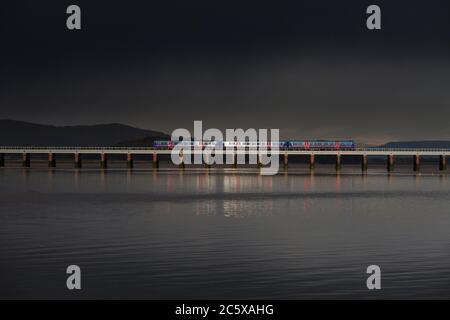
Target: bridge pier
{"x": 416, "y": 163}
{"x": 312, "y": 162}
{"x": 104, "y": 160}
{"x": 286, "y": 161}
{"x": 390, "y": 162}
{"x": 182, "y": 165}
{"x": 77, "y": 160}
{"x": 26, "y": 160}
{"x": 206, "y": 162}
{"x": 155, "y": 161}
{"x": 259, "y": 161}
{"x": 235, "y": 160}
{"x": 130, "y": 161}
{"x": 338, "y": 162}
{"x": 442, "y": 163}
{"x": 2, "y": 160}
{"x": 364, "y": 163}
{"x": 51, "y": 160}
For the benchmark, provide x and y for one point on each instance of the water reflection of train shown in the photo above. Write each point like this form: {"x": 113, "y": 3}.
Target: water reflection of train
{"x": 282, "y": 145}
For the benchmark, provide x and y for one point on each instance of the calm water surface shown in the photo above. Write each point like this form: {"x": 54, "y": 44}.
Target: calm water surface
{"x": 226, "y": 234}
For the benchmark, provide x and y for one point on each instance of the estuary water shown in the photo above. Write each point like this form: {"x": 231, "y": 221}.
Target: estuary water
{"x": 224, "y": 233}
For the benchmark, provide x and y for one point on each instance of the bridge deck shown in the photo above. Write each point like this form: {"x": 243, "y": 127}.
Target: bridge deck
{"x": 121, "y": 150}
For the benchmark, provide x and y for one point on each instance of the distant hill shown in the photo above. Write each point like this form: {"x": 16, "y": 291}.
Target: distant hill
{"x": 19, "y": 133}
{"x": 417, "y": 144}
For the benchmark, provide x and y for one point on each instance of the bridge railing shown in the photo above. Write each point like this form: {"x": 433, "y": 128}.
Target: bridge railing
{"x": 73, "y": 148}
{"x": 403, "y": 149}
{"x": 45, "y": 148}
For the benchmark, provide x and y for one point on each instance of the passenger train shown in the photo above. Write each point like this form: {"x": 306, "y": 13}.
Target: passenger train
{"x": 282, "y": 145}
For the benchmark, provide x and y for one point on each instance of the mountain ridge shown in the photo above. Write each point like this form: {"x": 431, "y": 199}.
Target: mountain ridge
{"x": 22, "y": 133}
{"x": 418, "y": 144}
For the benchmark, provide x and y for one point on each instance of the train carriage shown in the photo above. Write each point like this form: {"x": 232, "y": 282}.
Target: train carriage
{"x": 282, "y": 145}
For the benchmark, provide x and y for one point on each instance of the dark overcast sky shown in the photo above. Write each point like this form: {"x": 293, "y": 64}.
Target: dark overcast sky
{"x": 310, "y": 68}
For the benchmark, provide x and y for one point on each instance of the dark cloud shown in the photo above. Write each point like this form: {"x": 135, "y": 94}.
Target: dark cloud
{"x": 310, "y": 68}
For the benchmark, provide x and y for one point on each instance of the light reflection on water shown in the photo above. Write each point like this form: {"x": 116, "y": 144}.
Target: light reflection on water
{"x": 224, "y": 233}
